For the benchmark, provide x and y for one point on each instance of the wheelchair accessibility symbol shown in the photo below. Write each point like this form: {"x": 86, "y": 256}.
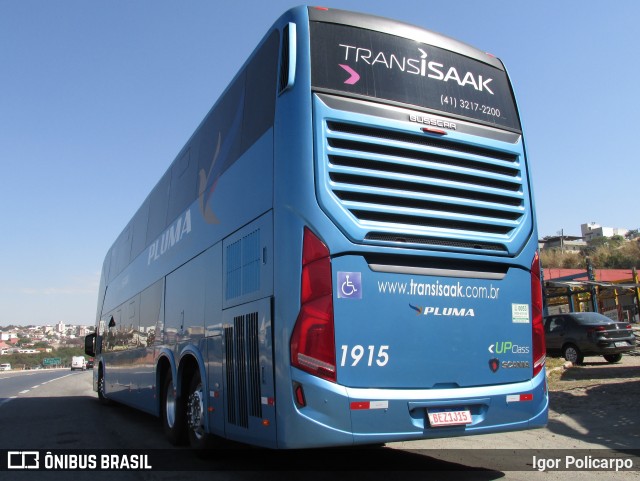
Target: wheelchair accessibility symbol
{"x": 349, "y": 285}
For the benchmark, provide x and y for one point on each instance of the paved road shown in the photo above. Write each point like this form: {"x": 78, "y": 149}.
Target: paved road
{"x": 14, "y": 384}
{"x": 64, "y": 413}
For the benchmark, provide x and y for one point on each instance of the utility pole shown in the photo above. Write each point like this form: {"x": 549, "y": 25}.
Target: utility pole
{"x": 594, "y": 289}
{"x": 634, "y": 271}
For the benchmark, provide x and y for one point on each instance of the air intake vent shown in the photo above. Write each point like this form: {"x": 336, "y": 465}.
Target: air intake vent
{"x": 243, "y": 370}
{"x": 406, "y": 186}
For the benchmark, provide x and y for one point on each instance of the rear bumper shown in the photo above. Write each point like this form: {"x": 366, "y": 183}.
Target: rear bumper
{"x": 602, "y": 347}
{"x": 336, "y": 415}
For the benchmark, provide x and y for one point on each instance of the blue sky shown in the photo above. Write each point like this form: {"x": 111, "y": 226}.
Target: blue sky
{"x": 96, "y": 99}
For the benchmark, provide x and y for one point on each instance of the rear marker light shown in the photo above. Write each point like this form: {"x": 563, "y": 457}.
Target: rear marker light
{"x": 431, "y": 130}
{"x": 299, "y": 393}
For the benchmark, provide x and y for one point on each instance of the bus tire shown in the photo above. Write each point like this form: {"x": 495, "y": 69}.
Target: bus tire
{"x": 101, "y": 384}
{"x": 172, "y": 414}
{"x": 195, "y": 416}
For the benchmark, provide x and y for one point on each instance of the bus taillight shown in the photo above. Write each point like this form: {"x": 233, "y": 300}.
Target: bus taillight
{"x": 539, "y": 347}
{"x": 312, "y": 342}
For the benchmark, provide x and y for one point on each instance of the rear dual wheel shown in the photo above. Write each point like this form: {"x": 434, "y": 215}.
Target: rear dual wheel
{"x": 183, "y": 418}
{"x": 172, "y": 413}
{"x": 199, "y": 439}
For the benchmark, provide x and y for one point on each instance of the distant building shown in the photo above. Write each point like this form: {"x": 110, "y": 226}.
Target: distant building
{"x": 60, "y": 327}
{"x": 592, "y": 230}
{"x": 564, "y": 243}
{"x": 7, "y": 336}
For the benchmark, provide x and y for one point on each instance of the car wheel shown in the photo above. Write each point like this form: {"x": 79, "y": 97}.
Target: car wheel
{"x": 172, "y": 413}
{"x": 613, "y": 357}
{"x": 572, "y": 354}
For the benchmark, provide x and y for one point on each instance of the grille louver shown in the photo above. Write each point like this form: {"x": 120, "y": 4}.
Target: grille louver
{"x": 243, "y": 370}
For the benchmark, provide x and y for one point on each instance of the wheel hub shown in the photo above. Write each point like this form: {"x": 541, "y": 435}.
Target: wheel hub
{"x": 195, "y": 411}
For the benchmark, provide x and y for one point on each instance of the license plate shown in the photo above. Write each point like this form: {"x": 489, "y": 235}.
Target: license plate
{"x": 621, "y": 344}
{"x": 449, "y": 417}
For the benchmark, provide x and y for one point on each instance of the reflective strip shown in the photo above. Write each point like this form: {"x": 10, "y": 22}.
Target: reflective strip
{"x": 514, "y": 398}
{"x": 360, "y": 405}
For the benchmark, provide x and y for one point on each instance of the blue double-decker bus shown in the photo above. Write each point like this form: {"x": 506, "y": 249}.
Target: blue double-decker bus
{"x": 343, "y": 253}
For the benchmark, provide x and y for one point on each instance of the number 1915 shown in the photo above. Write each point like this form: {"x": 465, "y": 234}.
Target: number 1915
{"x": 359, "y": 353}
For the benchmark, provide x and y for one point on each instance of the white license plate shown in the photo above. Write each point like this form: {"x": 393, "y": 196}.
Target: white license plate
{"x": 449, "y": 418}
{"x": 621, "y": 344}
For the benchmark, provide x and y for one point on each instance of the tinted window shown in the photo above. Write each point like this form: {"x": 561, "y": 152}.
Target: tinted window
{"x": 150, "y": 307}
{"x": 590, "y": 318}
{"x": 120, "y": 252}
{"x": 183, "y": 185}
{"x": 158, "y": 202}
{"x": 219, "y": 137}
{"x": 260, "y": 97}
{"x": 139, "y": 227}
{"x": 373, "y": 64}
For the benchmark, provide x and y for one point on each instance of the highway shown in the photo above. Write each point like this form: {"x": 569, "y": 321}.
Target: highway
{"x": 14, "y": 384}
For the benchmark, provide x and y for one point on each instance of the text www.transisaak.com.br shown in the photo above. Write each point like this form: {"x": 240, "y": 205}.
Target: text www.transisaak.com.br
{"x": 438, "y": 289}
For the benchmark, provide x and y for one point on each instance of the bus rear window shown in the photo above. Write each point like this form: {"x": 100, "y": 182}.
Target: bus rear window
{"x": 372, "y": 64}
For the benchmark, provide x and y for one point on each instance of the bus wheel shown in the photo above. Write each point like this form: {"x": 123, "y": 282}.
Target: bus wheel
{"x": 199, "y": 439}
{"x": 171, "y": 413}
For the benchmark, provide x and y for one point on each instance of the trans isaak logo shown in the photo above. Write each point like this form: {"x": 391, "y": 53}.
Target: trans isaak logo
{"x": 419, "y": 66}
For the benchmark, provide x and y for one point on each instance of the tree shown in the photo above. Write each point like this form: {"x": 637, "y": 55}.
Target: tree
{"x": 632, "y": 234}
{"x": 614, "y": 253}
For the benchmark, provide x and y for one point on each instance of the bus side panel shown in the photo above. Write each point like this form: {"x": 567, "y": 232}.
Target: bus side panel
{"x": 213, "y": 333}
{"x": 247, "y": 286}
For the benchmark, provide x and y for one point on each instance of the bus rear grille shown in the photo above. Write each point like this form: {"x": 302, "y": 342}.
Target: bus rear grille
{"x": 391, "y": 180}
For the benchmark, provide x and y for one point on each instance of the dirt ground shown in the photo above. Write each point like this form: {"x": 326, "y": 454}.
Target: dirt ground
{"x": 596, "y": 403}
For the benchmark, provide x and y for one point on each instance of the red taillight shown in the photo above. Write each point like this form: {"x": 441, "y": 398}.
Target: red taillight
{"x": 539, "y": 347}
{"x": 312, "y": 341}
{"x": 592, "y": 330}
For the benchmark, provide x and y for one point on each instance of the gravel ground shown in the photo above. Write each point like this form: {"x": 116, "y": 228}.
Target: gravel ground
{"x": 597, "y": 402}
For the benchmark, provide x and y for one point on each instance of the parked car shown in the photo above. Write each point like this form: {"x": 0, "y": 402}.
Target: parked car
{"x": 78, "y": 362}
{"x": 5, "y": 367}
{"x": 90, "y": 363}
{"x": 581, "y": 334}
